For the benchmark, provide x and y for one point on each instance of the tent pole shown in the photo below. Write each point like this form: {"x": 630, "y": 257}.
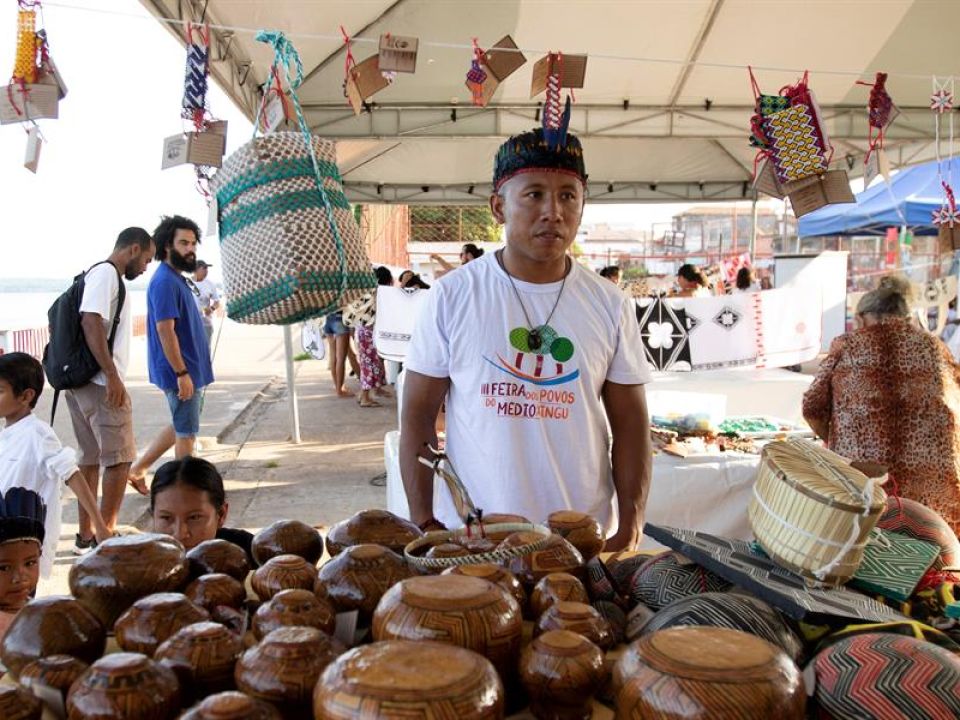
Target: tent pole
{"x": 291, "y": 385}
{"x": 753, "y": 230}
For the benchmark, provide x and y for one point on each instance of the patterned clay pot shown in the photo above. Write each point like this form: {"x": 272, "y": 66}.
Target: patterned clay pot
{"x": 292, "y": 608}
{"x": 216, "y": 590}
{"x": 561, "y": 671}
{"x": 19, "y": 704}
{"x": 203, "y": 656}
{"x": 554, "y": 588}
{"x": 218, "y": 556}
{"x": 375, "y": 527}
{"x": 232, "y": 705}
{"x": 55, "y": 671}
{"x": 613, "y": 614}
{"x": 287, "y": 537}
{"x": 667, "y": 577}
{"x": 447, "y": 550}
{"x": 153, "y": 619}
{"x": 124, "y": 686}
{"x": 401, "y": 679}
{"x": 916, "y": 520}
{"x": 503, "y": 519}
{"x": 53, "y": 625}
{"x": 582, "y": 531}
{"x": 358, "y": 577}
{"x": 556, "y": 556}
{"x": 121, "y": 570}
{"x": 283, "y": 572}
{"x": 579, "y": 618}
{"x": 495, "y": 574}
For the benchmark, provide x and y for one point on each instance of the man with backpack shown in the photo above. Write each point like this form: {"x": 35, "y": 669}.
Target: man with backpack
{"x": 100, "y": 408}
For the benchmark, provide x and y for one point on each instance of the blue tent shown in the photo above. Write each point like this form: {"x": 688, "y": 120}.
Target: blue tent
{"x": 908, "y": 199}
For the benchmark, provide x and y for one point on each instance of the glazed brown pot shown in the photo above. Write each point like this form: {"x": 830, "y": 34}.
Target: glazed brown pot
{"x": 55, "y": 671}
{"x": 579, "y": 618}
{"x": 217, "y": 589}
{"x": 447, "y": 550}
{"x": 457, "y": 609}
{"x": 285, "y": 666}
{"x": 53, "y": 625}
{"x": 495, "y": 574}
{"x": 554, "y": 588}
{"x": 401, "y": 679}
{"x": 707, "y": 672}
{"x": 582, "y": 531}
{"x": 372, "y": 527}
{"x": 203, "y": 656}
{"x": 121, "y": 570}
{"x": 291, "y": 608}
{"x": 232, "y": 705}
{"x": 124, "y": 686}
{"x": 151, "y": 620}
{"x": 502, "y": 519}
{"x": 557, "y": 555}
{"x": 19, "y": 704}
{"x": 218, "y": 556}
{"x": 561, "y": 671}
{"x": 283, "y": 572}
{"x": 358, "y": 577}
{"x": 287, "y": 537}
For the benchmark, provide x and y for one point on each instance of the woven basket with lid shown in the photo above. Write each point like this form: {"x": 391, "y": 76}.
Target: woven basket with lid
{"x": 812, "y": 511}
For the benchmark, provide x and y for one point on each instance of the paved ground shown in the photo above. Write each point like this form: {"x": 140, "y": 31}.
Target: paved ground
{"x": 245, "y": 430}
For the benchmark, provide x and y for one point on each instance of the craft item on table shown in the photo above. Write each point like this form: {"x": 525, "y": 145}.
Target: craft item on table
{"x": 398, "y": 54}
{"x": 637, "y": 620}
{"x": 35, "y": 87}
{"x": 554, "y": 588}
{"x": 908, "y": 517}
{"x": 287, "y": 537}
{"x": 576, "y": 617}
{"x": 893, "y": 565}
{"x": 600, "y": 583}
{"x": 561, "y": 671}
{"x": 906, "y": 628}
{"x": 581, "y": 530}
{"x": 372, "y": 527}
{"x": 124, "y": 685}
{"x": 736, "y": 561}
{"x": 668, "y": 577}
{"x": 812, "y": 511}
{"x": 878, "y": 676}
{"x": 722, "y": 331}
{"x": 489, "y": 69}
{"x": 663, "y": 330}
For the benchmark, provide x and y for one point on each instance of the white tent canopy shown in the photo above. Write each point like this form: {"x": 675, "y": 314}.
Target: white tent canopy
{"x": 664, "y": 113}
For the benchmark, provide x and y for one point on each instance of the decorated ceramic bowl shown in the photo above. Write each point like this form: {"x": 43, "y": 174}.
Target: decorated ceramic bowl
{"x": 216, "y": 590}
{"x": 561, "y": 671}
{"x": 554, "y": 588}
{"x": 54, "y": 671}
{"x": 124, "y": 686}
{"x": 556, "y": 555}
{"x": 637, "y": 620}
{"x": 579, "y": 618}
{"x": 292, "y": 608}
{"x": 283, "y": 572}
{"x": 287, "y": 537}
{"x": 402, "y": 679}
{"x": 376, "y": 527}
{"x": 203, "y": 656}
{"x": 582, "y": 531}
{"x": 52, "y": 625}
{"x": 447, "y": 550}
{"x": 19, "y": 704}
{"x": 121, "y": 570}
{"x": 460, "y": 610}
{"x": 495, "y": 574}
{"x": 503, "y": 519}
{"x": 358, "y": 577}
{"x": 613, "y": 614}
{"x": 218, "y": 556}
{"x": 622, "y": 566}
{"x": 232, "y": 705}
{"x": 667, "y": 577}
{"x": 151, "y": 620}
{"x": 285, "y": 666}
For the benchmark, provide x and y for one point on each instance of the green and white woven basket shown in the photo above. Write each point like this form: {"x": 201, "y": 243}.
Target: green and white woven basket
{"x": 281, "y": 260}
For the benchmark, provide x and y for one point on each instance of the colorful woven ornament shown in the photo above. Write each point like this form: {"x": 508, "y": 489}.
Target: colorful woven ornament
{"x": 941, "y": 101}
{"x": 197, "y": 74}
{"x": 879, "y": 111}
{"x": 476, "y": 75}
{"x": 25, "y": 65}
{"x": 555, "y": 121}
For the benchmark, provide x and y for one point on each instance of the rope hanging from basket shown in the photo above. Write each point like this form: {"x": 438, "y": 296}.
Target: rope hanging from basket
{"x": 286, "y": 57}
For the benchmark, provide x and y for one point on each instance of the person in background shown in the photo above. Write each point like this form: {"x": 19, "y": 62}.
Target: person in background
{"x": 692, "y": 282}
{"x": 373, "y": 376}
{"x": 611, "y": 273}
{"x": 22, "y": 514}
{"x": 467, "y": 253}
{"x": 207, "y": 297}
{"x": 889, "y": 392}
{"x": 338, "y": 340}
{"x": 745, "y": 281}
{"x": 32, "y": 458}
{"x": 413, "y": 281}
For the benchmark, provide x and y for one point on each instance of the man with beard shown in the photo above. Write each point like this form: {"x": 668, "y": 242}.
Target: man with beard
{"x": 178, "y": 357}
{"x": 100, "y": 411}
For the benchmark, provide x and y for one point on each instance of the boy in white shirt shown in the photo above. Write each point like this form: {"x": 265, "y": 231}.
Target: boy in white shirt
{"x": 31, "y": 455}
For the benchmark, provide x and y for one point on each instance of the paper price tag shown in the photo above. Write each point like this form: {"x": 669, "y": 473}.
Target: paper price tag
{"x": 213, "y": 217}
{"x": 34, "y": 143}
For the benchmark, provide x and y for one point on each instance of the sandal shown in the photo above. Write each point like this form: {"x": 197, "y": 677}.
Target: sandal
{"x": 370, "y": 403}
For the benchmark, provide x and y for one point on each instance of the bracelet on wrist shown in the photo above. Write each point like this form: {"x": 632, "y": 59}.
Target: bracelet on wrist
{"x": 182, "y": 373}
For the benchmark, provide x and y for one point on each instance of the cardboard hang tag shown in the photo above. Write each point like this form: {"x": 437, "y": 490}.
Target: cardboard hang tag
{"x": 34, "y": 143}
{"x": 877, "y": 165}
{"x": 503, "y": 59}
{"x": 572, "y": 69}
{"x": 398, "y": 54}
{"x": 767, "y": 182}
{"x": 364, "y": 81}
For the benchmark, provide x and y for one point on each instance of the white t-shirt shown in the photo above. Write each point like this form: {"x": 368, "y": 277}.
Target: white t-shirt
{"x": 32, "y": 457}
{"x": 527, "y": 432}
{"x": 207, "y": 297}
{"x": 101, "y": 289}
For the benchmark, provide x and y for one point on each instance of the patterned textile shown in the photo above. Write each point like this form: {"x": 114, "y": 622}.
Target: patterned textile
{"x": 890, "y": 393}
{"x": 372, "y": 374}
{"x": 797, "y": 152}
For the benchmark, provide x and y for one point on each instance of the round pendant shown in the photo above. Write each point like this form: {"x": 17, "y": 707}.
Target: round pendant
{"x": 533, "y": 340}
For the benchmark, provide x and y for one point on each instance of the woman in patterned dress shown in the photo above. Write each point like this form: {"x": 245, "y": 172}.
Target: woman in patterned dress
{"x": 889, "y": 392}
{"x": 373, "y": 377}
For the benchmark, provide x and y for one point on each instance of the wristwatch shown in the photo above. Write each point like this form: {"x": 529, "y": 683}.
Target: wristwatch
{"x": 182, "y": 373}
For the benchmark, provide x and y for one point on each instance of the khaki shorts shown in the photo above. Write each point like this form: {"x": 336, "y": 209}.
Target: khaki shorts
{"x": 104, "y": 434}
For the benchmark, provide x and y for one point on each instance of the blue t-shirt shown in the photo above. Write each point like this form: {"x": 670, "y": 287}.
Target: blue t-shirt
{"x": 169, "y": 298}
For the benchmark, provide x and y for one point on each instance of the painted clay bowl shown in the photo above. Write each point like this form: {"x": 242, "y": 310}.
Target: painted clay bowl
{"x": 121, "y": 570}
{"x": 55, "y": 671}
{"x": 19, "y": 704}
{"x": 475, "y": 544}
{"x": 232, "y": 705}
{"x": 582, "y": 531}
{"x": 916, "y": 520}
{"x": 291, "y": 608}
{"x": 401, "y": 679}
{"x": 622, "y": 566}
{"x": 495, "y": 574}
{"x": 637, "y": 620}
{"x": 287, "y": 537}
{"x": 556, "y": 555}
{"x": 218, "y": 556}
{"x": 153, "y": 619}
{"x": 285, "y": 666}
{"x": 561, "y": 671}
{"x": 283, "y": 572}
{"x": 457, "y": 609}
{"x": 554, "y": 588}
{"x": 667, "y": 577}
{"x": 124, "y": 686}
{"x": 706, "y": 672}
{"x": 203, "y": 656}
{"x": 376, "y": 527}
{"x": 613, "y": 614}
{"x": 216, "y": 590}
{"x": 600, "y": 583}
{"x": 53, "y": 625}
{"x": 579, "y": 618}
{"x": 358, "y": 577}
{"x": 447, "y": 550}
{"x": 501, "y": 519}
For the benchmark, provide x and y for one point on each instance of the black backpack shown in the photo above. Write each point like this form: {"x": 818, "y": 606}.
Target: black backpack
{"x": 67, "y": 361}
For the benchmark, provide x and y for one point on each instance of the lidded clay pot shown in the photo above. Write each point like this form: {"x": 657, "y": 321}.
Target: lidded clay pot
{"x": 358, "y": 577}
{"x": 218, "y": 556}
{"x": 216, "y": 590}
{"x": 373, "y": 527}
{"x": 285, "y": 666}
{"x": 19, "y": 704}
{"x": 55, "y": 671}
{"x": 579, "y": 618}
{"x": 398, "y": 678}
{"x": 283, "y": 572}
{"x": 151, "y": 620}
{"x": 495, "y": 574}
{"x": 447, "y": 550}
{"x": 232, "y": 705}
{"x": 293, "y": 608}
{"x": 561, "y": 671}
{"x": 121, "y": 570}
{"x": 503, "y": 519}
{"x": 53, "y": 625}
{"x": 124, "y": 686}
{"x": 287, "y": 537}
{"x": 554, "y": 588}
{"x": 582, "y": 531}
{"x": 557, "y": 555}
{"x": 203, "y": 656}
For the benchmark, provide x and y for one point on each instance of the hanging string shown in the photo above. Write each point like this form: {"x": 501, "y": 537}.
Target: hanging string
{"x": 348, "y": 61}
{"x": 941, "y": 103}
